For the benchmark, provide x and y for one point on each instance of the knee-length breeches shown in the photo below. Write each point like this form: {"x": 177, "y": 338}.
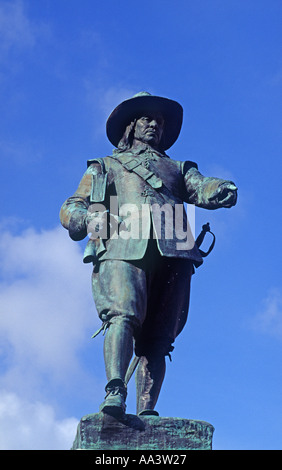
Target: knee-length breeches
{"x": 151, "y": 294}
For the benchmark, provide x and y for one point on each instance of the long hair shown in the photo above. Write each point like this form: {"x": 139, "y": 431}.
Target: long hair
{"x": 126, "y": 141}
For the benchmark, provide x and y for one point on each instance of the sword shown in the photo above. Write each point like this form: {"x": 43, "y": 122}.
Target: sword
{"x": 131, "y": 369}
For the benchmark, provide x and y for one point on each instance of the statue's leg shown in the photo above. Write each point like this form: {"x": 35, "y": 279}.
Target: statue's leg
{"x": 168, "y": 302}
{"x": 149, "y": 378}
{"x": 119, "y": 290}
{"x": 118, "y": 347}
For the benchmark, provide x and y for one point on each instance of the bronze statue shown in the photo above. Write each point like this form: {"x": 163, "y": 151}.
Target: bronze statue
{"x": 142, "y": 267}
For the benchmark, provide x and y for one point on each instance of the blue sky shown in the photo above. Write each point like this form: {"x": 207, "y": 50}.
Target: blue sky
{"x": 64, "y": 65}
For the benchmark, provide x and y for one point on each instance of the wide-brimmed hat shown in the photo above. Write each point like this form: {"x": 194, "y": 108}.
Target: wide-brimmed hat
{"x": 140, "y": 103}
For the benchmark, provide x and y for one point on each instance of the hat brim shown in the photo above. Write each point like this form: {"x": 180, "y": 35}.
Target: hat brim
{"x": 132, "y": 108}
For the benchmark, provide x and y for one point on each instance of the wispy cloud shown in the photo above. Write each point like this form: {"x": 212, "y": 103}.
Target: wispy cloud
{"x": 221, "y": 172}
{"x": 102, "y": 101}
{"x": 20, "y": 35}
{"x": 22, "y": 153}
{"x": 269, "y": 318}
{"x": 16, "y": 30}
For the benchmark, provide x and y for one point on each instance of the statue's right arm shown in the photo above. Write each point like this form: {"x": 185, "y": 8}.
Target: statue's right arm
{"x": 207, "y": 192}
{"x": 73, "y": 213}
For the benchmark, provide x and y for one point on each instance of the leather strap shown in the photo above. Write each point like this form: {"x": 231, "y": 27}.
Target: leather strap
{"x": 135, "y": 164}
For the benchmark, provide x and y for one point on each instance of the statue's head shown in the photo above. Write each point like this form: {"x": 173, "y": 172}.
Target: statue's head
{"x": 145, "y": 118}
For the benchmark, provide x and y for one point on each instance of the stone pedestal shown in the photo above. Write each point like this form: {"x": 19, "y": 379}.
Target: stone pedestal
{"x": 100, "y": 431}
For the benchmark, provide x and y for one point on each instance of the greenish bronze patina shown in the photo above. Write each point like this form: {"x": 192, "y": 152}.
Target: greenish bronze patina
{"x": 100, "y": 431}
{"x": 142, "y": 264}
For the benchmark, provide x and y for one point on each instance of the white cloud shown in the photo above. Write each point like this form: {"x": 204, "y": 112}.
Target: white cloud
{"x": 47, "y": 316}
{"x": 269, "y": 319}
{"x": 32, "y": 426}
{"x": 47, "y": 311}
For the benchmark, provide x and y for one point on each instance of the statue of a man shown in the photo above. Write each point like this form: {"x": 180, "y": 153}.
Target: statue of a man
{"x": 142, "y": 269}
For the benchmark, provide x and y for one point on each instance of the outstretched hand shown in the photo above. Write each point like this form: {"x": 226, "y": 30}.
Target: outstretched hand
{"x": 225, "y": 195}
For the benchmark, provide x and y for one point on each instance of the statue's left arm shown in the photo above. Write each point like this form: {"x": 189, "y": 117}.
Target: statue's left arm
{"x": 206, "y": 191}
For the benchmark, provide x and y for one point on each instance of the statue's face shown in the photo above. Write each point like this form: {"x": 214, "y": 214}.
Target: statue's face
{"x": 149, "y": 129}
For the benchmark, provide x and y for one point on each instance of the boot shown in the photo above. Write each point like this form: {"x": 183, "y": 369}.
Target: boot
{"x": 149, "y": 378}
{"x": 118, "y": 349}
{"x": 114, "y": 403}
